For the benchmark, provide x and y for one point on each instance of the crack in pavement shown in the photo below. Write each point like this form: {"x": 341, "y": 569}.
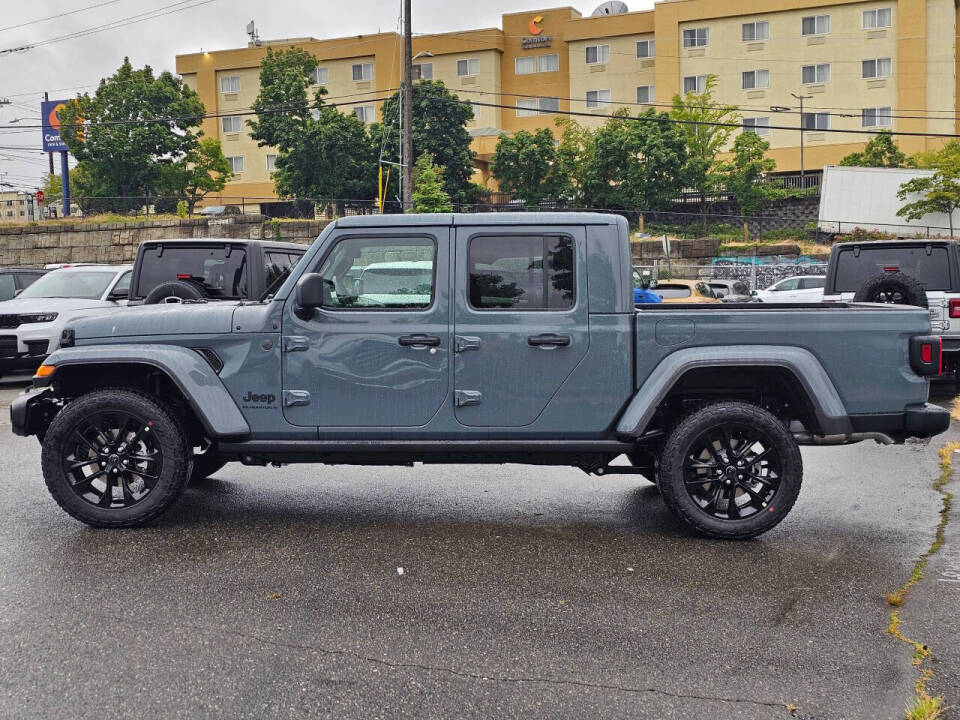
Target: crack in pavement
{"x": 471, "y": 675}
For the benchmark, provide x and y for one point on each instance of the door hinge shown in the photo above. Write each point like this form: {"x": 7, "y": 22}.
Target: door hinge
{"x": 294, "y": 398}
{"x": 296, "y": 343}
{"x": 467, "y": 342}
{"x": 468, "y": 397}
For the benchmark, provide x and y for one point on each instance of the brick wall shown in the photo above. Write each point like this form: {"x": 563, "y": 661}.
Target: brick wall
{"x": 39, "y": 245}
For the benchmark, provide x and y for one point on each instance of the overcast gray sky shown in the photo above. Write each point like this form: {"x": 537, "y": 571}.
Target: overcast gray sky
{"x": 74, "y": 65}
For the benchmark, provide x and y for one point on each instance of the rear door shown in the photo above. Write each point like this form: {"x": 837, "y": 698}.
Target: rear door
{"x": 520, "y": 320}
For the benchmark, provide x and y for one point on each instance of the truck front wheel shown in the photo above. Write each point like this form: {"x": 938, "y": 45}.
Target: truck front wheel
{"x": 115, "y": 458}
{"x": 730, "y": 470}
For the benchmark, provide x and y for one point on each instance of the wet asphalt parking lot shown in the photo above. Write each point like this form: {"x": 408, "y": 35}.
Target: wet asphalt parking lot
{"x": 523, "y": 592}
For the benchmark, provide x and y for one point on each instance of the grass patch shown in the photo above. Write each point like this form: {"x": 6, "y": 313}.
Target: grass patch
{"x": 923, "y": 706}
{"x": 955, "y": 410}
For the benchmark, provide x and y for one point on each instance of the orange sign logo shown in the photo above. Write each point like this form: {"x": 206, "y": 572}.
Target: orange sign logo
{"x": 53, "y": 119}
{"x": 534, "y": 26}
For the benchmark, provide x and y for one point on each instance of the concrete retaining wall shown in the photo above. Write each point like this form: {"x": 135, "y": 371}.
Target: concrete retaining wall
{"x": 42, "y": 244}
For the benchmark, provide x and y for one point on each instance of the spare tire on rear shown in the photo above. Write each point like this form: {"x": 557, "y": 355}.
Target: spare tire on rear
{"x": 892, "y": 288}
{"x": 174, "y": 291}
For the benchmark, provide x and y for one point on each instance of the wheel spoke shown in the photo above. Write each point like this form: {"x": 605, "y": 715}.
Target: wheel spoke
{"x": 128, "y": 498}
{"x": 106, "y": 500}
{"x": 87, "y": 482}
{"x": 76, "y": 465}
{"x": 85, "y": 443}
{"x": 755, "y": 498}
{"x": 733, "y": 512}
{"x": 701, "y": 481}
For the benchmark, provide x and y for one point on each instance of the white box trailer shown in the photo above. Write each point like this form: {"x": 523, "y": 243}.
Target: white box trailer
{"x": 859, "y": 197}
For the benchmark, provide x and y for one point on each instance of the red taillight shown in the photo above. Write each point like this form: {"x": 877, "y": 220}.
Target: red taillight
{"x": 183, "y": 276}
{"x": 891, "y": 268}
{"x": 939, "y": 355}
{"x": 955, "y": 308}
{"x": 926, "y": 353}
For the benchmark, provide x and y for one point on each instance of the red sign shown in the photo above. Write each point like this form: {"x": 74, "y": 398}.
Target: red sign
{"x": 40, "y": 196}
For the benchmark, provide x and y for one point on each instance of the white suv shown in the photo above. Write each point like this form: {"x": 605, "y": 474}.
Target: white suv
{"x": 797, "y": 289}
{"x": 31, "y": 323}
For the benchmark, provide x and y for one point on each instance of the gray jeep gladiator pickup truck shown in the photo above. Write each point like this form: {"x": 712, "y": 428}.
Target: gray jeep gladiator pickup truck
{"x": 504, "y": 338}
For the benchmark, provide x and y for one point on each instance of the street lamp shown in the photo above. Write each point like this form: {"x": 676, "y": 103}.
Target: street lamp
{"x": 801, "y": 98}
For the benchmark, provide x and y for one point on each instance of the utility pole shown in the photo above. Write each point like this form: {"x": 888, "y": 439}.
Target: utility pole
{"x": 46, "y": 96}
{"x": 407, "y": 101}
{"x": 801, "y": 98}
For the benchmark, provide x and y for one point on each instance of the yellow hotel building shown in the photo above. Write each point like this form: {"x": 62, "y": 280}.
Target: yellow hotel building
{"x": 859, "y": 65}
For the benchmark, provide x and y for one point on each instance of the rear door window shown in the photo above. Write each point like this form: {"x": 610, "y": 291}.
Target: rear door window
{"x": 931, "y": 271}
{"x": 811, "y": 283}
{"x": 220, "y": 271}
{"x": 527, "y": 272}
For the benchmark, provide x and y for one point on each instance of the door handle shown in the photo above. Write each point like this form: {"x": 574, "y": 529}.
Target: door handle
{"x": 548, "y": 340}
{"x": 419, "y": 340}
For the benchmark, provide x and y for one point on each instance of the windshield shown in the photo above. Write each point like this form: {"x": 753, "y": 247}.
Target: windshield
{"x": 672, "y": 292}
{"x": 219, "y": 270}
{"x": 84, "y": 285}
{"x": 7, "y": 287}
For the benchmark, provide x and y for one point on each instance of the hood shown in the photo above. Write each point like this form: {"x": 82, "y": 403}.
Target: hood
{"x": 144, "y": 321}
{"x": 19, "y": 306}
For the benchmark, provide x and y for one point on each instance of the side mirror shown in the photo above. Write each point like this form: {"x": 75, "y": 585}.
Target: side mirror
{"x": 754, "y": 293}
{"x": 119, "y": 295}
{"x": 718, "y": 294}
{"x": 653, "y": 284}
{"x": 17, "y": 292}
{"x": 313, "y": 291}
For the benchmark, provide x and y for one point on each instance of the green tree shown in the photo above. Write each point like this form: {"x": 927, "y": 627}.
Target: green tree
{"x": 940, "y": 192}
{"x": 428, "y": 193}
{"x": 203, "y": 170}
{"x": 637, "y": 163}
{"x": 134, "y": 124}
{"x": 745, "y": 172}
{"x": 53, "y": 188}
{"x": 525, "y": 164}
{"x": 881, "y": 151}
{"x": 322, "y": 153}
{"x": 575, "y": 162}
{"x": 439, "y": 127}
{"x": 707, "y": 126}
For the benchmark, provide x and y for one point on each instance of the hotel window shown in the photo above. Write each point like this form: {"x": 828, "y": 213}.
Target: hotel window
{"x": 879, "y": 68}
{"x": 755, "y": 79}
{"x": 752, "y": 32}
{"x": 423, "y": 71}
{"x": 646, "y": 49}
{"x": 598, "y": 98}
{"x": 816, "y": 25}
{"x": 876, "y": 117}
{"x": 236, "y": 163}
{"x": 466, "y": 68}
{"x": 549, "y": 105}
{"x": 548, "y": 63}
{"x": 230, "y": 84}
{"x": 815, "y": 74}
{"x": 597, "y": 54}
{"x": 646, "y": 94}
{"x": 366, "y": 113}
{"x": 758, "y": 125}
{"x": 271, "y": 162}
{"x": 231, "y": 123}
{"x": 362, "y": 71}
{"x": 815, "y": 121}
{"x": 694, "y": 84}
{"x": 696, "y": 37}
{"x": 526, "y": 107}
{"x": 321, "y": 76}
{"x": 879, "y": 18}
{"x": 525, "y": 65}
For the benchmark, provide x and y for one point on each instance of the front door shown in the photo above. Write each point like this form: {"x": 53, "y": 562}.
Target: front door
{"x": 378, "y": 355}
{"x": 521, "y": 322}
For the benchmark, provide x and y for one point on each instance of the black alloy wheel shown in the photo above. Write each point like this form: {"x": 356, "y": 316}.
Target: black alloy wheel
{"x": 732, "y": 471}
{"x": 113, "y": 460}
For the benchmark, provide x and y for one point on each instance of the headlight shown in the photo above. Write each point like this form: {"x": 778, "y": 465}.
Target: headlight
{"x": 38, "y": 318}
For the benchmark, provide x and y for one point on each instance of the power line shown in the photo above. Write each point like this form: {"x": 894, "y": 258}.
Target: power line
{"x": 60, "y": 15}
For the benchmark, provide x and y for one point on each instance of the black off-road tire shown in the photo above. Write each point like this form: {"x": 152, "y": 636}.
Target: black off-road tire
{"x": 204, "y": 466}
{"x": 166, "y": 431}
{"x": 890, "y": 287}
{"x": 681, "y": 441}
{"x": 180, "y": 289}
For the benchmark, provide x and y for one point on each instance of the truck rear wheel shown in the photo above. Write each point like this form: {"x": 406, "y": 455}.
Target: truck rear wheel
{"x": 730, "y": 470}
{"x": 115, "y": 458}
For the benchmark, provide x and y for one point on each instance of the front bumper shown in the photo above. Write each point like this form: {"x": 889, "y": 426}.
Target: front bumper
{"x": 18, "y": 353}
{"x": 32, "y": 411}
